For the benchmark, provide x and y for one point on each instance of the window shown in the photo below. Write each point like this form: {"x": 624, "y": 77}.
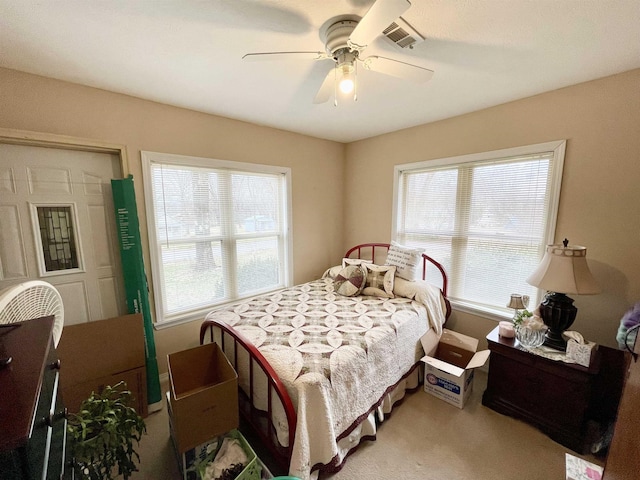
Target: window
{"x": 486, "y": 217}
{"x": 218, "y": 231}
{"x": 56, "y": 239}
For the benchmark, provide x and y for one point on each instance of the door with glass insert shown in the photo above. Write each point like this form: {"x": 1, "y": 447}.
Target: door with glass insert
{"x": 57, "y": 224}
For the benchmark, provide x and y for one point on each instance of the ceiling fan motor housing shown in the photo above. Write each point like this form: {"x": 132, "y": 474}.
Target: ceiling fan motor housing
{"x": 337, "y": 37}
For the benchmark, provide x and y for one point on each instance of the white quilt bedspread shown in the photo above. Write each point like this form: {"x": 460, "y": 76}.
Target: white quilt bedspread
{"x": 337, "y": 356}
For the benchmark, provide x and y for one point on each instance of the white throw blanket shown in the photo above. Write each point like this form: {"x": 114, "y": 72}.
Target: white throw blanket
{"x": 428, "y": 295}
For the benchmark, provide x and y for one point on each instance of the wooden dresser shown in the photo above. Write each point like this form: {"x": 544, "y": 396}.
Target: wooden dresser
{"x": 32, "y": 417}
{"x": 570, "y": 403}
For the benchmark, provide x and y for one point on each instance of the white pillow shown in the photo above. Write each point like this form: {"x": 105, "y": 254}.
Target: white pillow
{"x": 406, "y": 260}
{"x": 354, "y": 261}
{"x": 380, "y": 280}
{"x": 332, "y": 272}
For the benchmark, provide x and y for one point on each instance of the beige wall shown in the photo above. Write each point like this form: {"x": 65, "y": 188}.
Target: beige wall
{"x": 599, "y": 205}
{"x": 38, "y": 104}
{"x": 600, "y": 199}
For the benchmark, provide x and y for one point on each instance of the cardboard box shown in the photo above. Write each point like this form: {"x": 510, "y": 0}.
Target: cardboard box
{"x": 136, "y": 382}
{"x": 100, "y": 353}
{"x": 203, "y": 395}
{"x": 190, "y": 460}
{"x": 450, "y": 361}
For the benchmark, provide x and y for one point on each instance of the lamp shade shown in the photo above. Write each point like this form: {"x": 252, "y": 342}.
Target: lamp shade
{"x": 564, "y": 269}
{"x": 518, "y": 302}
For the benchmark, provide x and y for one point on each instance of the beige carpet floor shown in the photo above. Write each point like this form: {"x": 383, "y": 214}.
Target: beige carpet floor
{"x": 425, "y": 438}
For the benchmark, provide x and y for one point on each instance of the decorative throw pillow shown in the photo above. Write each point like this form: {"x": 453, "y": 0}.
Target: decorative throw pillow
{"x": 405, "y": 259}
{"x": 332, "y": 272}
{"x": 350, "y": 280}
{"x": 380, "y": 279}
{"x": 354, "y": 261}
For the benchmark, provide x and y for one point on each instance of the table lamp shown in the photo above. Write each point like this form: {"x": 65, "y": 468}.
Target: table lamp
{"x": 518, "y": 302}
{"x": 563, "y": 270}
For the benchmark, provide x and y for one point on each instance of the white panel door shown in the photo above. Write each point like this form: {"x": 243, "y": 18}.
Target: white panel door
{"x": 57, "y": 224}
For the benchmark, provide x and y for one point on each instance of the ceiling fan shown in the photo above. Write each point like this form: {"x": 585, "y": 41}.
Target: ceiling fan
{"x": 345, "y": 39}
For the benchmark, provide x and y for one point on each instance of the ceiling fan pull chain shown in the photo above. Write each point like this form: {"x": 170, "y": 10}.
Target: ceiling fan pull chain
{"x": 355, "y": 81}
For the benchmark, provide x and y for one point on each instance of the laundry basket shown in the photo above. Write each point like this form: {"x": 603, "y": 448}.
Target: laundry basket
{"x": 252, "y": 471}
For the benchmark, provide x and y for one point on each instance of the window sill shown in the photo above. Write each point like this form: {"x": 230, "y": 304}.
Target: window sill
{"x": 180, "y": 321}
{"x": 202, "y": 313}
{"x": 484, "y": 312}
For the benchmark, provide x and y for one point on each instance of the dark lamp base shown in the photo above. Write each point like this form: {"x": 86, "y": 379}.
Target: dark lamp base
{"x": 558, "y": 313}
{"x": 555, "y": 341}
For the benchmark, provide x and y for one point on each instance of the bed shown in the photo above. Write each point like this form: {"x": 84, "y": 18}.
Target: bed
{"x": 319, "y": 369}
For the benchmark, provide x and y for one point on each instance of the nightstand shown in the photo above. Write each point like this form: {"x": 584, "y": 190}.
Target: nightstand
{"x": 561, "y": 399}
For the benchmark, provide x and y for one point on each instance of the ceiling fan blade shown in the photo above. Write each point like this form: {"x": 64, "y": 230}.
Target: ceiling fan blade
{"x": 399, "y": 69}
{"x": 258, "y": 57}
{"x": 327, "y": 87}
{"x": 381, "y": 14}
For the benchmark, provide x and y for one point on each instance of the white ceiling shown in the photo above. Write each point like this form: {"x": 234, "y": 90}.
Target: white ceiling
{"x": 188, "y": 53}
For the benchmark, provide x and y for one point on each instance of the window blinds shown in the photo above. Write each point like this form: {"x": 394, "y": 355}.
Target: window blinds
{"x": 487, "y": 221}
{"x": 219, "y": 235}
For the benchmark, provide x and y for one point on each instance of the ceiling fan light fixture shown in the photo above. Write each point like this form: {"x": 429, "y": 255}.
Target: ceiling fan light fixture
{"x": 347, "y": 78}
{"x": 346, "y": 72}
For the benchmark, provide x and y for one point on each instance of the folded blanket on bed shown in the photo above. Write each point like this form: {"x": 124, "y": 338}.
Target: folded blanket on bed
{"x": 428, "y": 295}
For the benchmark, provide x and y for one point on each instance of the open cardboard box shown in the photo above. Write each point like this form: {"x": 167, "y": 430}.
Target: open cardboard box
{"x": 188, "y": 460}
{"x": 100, "y": 353}
{"x": 450, "y": 361}
{"x": 203, "y": 396}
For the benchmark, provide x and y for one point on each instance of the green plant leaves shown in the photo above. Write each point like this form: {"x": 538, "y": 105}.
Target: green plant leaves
{"x": 103, "y": 432}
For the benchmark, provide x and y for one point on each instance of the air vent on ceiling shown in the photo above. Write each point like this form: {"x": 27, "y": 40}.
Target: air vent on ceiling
{"x": 401, "y": 34}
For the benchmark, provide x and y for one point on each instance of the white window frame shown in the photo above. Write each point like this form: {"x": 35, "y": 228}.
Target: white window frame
{"x": 557, "y": 147}
{"x": 163, "y": 320}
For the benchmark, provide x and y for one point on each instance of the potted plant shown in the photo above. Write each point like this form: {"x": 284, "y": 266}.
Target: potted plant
{"x": 521, "y": 316}
{"x": 102, "y": 435}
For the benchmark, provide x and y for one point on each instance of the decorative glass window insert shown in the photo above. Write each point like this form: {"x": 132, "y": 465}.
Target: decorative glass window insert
{"x": 57, "y": 238}
{"x": 486, "y": 217}
{"x": 218, "y": 231}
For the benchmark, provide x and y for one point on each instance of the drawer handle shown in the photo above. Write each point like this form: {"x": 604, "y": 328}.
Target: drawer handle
{"x": 50, "y": 419}
{"x": 55, "y": 365}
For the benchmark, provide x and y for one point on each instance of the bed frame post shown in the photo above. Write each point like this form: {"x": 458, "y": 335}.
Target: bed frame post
{"x": 261, "y": 422}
